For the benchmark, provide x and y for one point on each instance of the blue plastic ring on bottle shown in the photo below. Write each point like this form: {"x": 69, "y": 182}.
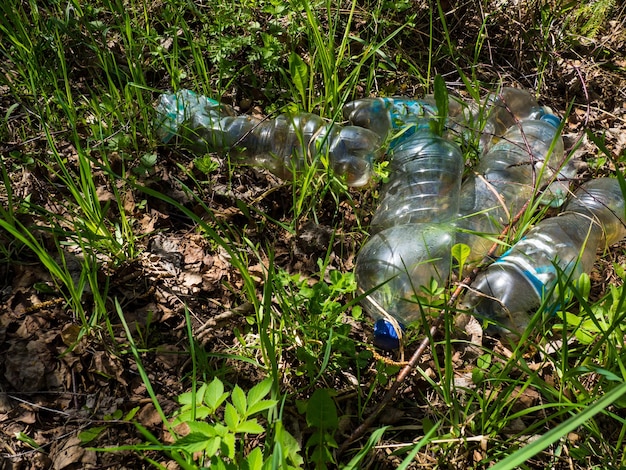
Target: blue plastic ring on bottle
{"x": 551, "y": 119}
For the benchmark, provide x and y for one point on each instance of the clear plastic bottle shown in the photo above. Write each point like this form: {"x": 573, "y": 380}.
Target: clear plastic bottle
{"x": 504, "y": 110}
{"x": 565, "y": 245}
{"x": 411, "y": 231}
{"x": 283, "y": 145}
{"x": 388, "y": 117}
{"x": 509, "y": 174}
{"x": 400, "y": 116}
{"x": 396, "y": 119}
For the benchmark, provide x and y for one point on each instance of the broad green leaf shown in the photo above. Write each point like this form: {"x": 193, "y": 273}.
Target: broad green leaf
{"x": 201, "y": 427}
{"x": 131, "y": 414}
{"x": 116, "y": 415}
{"x": 460, "y": 252}
{"x": 484, "y": 361}
{"x": 250, "y": 427}
{"x": 254, "y": 460}
{"x": 570, "y": 318}
{"x": 44, "y": 288}
{"x": 231, "y": 417}
{"x": 322, "y": 454}
{"x": 286, "y": 446}
{"x": 428, "y": 425}
{"x": 213, "y": 445}
{"x": 321, "y": 411}
{"x": 185, "y": 398}
{"x": 299, "y": 71}
{"x": 584, "y": 336}
{"x": 193, "y": 442}
{"x": 214, "y": 395}
{"x": 221, "y": 430}
{"x": 188, "y": 415}
{"x": 258, "y": 392}
{"x": 90, "y": 434}
{"x": 228, "y": 445}
{"x": 584, "y": 285}
{"x": 261, "y": 406}
{"x": 149, "y": 159}
{"x": 238, "y": 397}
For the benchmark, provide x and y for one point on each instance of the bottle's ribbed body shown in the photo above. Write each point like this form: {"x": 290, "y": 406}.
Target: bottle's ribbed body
{"x": 388, "y": 117}
{"x": 412, "y": 227}
{"x": 283, "y": 145}
{"x": 396, "y": 119}
{"x": 507, "y": 176}
{"x": 562, "y": 247}
{"x": 504, "y": 110}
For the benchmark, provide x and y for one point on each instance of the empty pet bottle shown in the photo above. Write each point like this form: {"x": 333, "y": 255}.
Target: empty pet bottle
{"x": 561, "y": 247}
{"x": 504, "y": 109}
{"x": 284, "y": 145}
{"x": 508, "y": 109}
{"x": 411, "y": 231}
{"x": 394, "y": 118}
{"x": 506, "y": 177}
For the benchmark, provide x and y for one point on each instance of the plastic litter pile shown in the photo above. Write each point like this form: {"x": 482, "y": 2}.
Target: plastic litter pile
{"x": 426, "y": 207}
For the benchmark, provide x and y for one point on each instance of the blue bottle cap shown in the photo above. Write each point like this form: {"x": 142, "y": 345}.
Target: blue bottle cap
{"x": 551, "y": 119}
{"x": 385, "y": 336}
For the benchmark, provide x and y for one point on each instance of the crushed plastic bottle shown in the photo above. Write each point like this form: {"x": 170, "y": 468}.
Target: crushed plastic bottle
{"x": 507, "y": 176}
{"x": 284, "y": 145}
{"x": 411, "y": 231}
{"x": 562, "y": 247}
{"x": 412, "y": 235}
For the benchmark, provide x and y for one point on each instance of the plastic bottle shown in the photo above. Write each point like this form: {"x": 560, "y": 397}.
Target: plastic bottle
{"x": 504, "y": 110}
{"x": 396, "y": 119}
{"x": 389, "y": 116}
{"x": 411, "y": 231}
{"x": 509, "y": 174}
{"x": 283, "y": 145}
{"x": 565, "y": 246}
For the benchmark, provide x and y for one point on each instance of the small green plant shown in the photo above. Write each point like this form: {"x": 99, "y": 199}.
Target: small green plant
{"x": 221, "y": 441}
{"x": 206, "y": 164}
{"x": 587, "y": 18}
{"x": 317, "y": 309}
{"x": 321, "y": 416}
{"x": 118, "y": 416}
{"x": 460, "y": 253}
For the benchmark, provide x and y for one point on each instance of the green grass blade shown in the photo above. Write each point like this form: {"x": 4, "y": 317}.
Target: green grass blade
{"x": 374, "y": 438}
{"x": 529, "y": 451}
